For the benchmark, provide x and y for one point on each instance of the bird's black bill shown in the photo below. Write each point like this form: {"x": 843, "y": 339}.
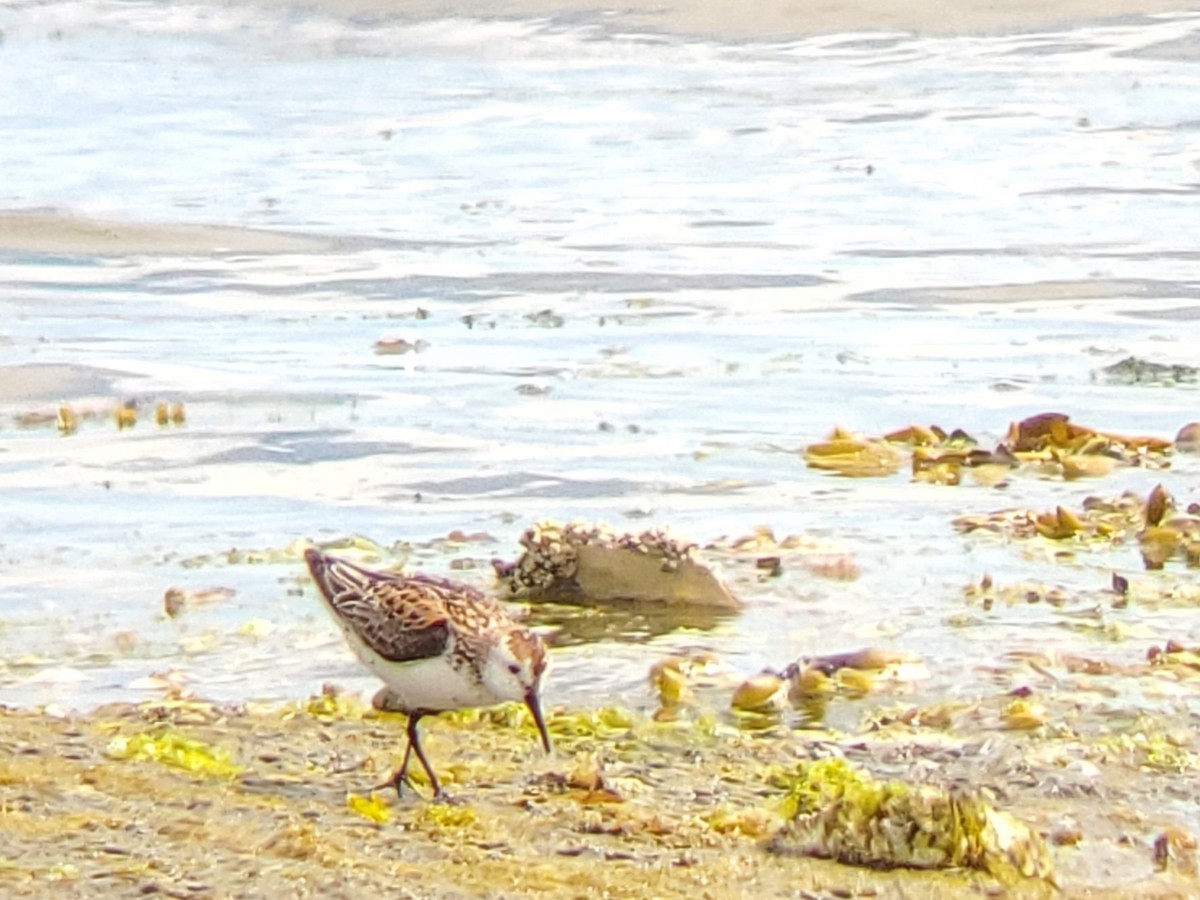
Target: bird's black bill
{"x": 535, "y": 708}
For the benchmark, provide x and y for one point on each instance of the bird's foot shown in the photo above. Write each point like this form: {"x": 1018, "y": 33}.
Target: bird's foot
{"x": 440, "y": 796}
{"x": 399, "y": 781}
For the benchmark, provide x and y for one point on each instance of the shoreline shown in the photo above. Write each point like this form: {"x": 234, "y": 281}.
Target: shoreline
{"x": 54, "y": 231}
{"x": 761, "y": 20}
{"x": 182, "y": 796}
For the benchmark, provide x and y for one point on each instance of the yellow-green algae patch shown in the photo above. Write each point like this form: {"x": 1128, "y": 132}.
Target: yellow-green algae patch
{"x": 372, "y": 807}
{"x": 172, "y": 749}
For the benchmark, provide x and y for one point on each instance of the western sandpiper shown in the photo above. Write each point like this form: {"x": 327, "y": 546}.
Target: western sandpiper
{"x": 437, "y": 645}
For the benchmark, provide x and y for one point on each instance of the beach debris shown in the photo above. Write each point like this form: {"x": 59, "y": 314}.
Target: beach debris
{"x": 765, "y": 692}
{"x": 583, "y": 561}
{"x": 669, "y": 681}
{"x": 1176, "y": 657}
{"x": 1149, "y": 750}
{"x": 1072, "y": 600}
{"x": 176, "y": 600}
{"x": 1187, "y": 440}
{"x": 772, "y": 556}
{"x": 585, "y": 781}
{"x": 169, "y": 414}
{"x": 1022, "y": 714}
{"x": 854, "y": 673}
{"x": 172, "y": 684}
{"x": 1068, "y": 833}
{"x": 939, "y": 457}
{"x": 844, "y": 453}
{"x": 673, "y": 677}
{"x": 1047, "y": 444}
{"x": 68, "y": 417}
{"x": 1162, "y": 532}
{"x": 354, "y": 546}
{"x": 126, "y": 414}
{"x": 1052, "y": 434}
{"x": 400, "y": 346}
{"x": 930, "y": 436}
{"x": 1175, "y": 848}
{"x": 838, "y": 812}
{"x": 545, "y": 318}
{"x": 1134, "y": 370}
{"x": 869, "y": 659}
{"x": 68, "y": 422}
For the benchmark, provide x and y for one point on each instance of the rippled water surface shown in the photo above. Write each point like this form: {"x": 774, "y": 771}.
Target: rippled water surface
{"x": 645, "y": 271}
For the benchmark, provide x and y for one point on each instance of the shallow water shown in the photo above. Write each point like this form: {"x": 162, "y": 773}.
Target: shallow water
{"x": 653, "y": 270}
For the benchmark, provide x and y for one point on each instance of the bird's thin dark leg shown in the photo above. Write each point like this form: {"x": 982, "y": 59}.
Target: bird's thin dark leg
{"x": 400, "y": 779}
{"x": 414, "y": 743}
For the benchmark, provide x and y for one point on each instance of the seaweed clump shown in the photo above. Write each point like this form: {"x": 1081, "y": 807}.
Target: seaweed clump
{"x": 174, "y": 750}
{"x": 838, "y": 812}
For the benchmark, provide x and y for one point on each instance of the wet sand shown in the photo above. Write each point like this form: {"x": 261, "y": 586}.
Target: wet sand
{"x": 257, "y": 803}
{"x": 55, "y": 232}
{"x": 42, "y": 383}
{"x": 770, "y": 19}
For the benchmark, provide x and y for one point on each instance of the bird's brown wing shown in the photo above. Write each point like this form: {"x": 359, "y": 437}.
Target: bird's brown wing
{"x": 399, "y": 618}
{"x": 407, "y": 631}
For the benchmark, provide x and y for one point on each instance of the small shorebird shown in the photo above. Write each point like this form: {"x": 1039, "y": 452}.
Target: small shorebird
{"x": 437, "y": 646}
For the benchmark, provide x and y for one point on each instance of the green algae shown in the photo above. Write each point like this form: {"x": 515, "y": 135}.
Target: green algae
{"x": 372, "y": 807}
{"x": 1152, "y": 751}
{"x": 173, "y": 749}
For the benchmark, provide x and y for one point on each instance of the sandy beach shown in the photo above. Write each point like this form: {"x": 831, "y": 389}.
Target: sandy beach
{"x": 772, "y": 19}
{"x": 54, "y": 231}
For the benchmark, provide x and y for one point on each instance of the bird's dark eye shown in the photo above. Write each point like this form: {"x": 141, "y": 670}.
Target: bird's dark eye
{"x": 514, "y": 668}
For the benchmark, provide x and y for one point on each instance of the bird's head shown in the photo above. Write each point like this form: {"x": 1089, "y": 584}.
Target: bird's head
{"x": 514, "y": 672}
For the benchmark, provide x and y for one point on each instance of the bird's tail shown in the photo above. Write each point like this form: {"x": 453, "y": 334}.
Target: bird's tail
{"x": 339, "y": 578}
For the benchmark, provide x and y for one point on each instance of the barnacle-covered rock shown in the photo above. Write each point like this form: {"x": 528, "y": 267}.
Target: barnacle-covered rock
{"x": 593, "y": 562}
{"x": 838, "y": 812}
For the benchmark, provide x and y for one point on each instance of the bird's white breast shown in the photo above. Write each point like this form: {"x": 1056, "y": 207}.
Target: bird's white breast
{"x": 432, "y": 684}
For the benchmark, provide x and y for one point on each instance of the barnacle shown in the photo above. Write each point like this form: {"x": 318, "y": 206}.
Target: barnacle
{"x": 839, "y": 812}
{"x": 593, "y": 561}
